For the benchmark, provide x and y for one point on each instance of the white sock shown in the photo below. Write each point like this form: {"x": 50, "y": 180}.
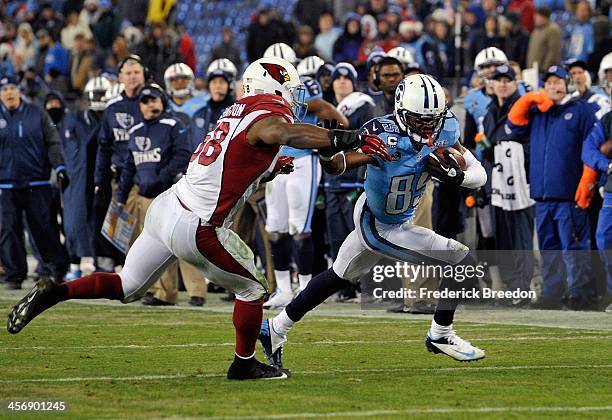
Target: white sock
{"x": 304, "y": 279}
{"x": 437, "y": 331}
{"x": 281, "y": 323}
{"x": 283, "y": 281}
{"x": 75, "y": 267}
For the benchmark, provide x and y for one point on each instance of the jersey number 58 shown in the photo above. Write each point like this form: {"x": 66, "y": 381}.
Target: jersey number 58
{"x": 210, "y": 149}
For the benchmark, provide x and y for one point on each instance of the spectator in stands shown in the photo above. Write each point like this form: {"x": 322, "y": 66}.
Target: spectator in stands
{"x": 81, "y": 63}
{"x": 308, "y": 12}
{"x": 560, "y": 186}
{"x": 486, "y": 37}
{"x": 267, "y": 29}
{"x": 48, "y": 20}
{"x": 516, "y": 40}
{"x": 26, "y": 47}
{"x": 525, "y": 10}
{"x": 57, "y": 63}
{"x": 582, "y": 38}
{"x": 327, "y": 36}
{"x": 134, "y": 11}
{"x": 346, "y": 47}
{"x": 90, "y": 13}
{"x": 513, "y": 209}
{"x": 6, "y": 60}
{"x": 412, "y": 38}
{"x": 73, "y": 28}
{"x": 304, "y": 46}
{"x": 441, "y": 64}
{"x": 376, "y": 7}
{"x": 107, "y": 27}
{"x": 31, "y": 148}
{"x": 545, "y": 42}
{"x": 227, "y": 48}
{"x": 186, "y": 46}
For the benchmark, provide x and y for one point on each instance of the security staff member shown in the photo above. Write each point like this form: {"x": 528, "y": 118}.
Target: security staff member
{"x": 29, "y": 148}
{"x": 158, "y": 152}
{"x": 121, "y": 114}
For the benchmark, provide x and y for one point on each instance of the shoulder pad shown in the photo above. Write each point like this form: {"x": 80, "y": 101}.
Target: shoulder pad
{"x": 380, "y": 125}
{"x": 114, "y": 100}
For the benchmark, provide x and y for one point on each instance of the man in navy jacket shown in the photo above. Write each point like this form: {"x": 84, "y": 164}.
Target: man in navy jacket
{"x": 158, "y": 153}
{"x": 29, "y": 148}
{"x": 559, "y": 125}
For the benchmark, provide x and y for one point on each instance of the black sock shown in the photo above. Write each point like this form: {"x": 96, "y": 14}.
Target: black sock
{"x": 319, "y": 288}
{"x": 281, "y": 252}
{"x": 304, "y": 249}
{"x": 445, "y": 309}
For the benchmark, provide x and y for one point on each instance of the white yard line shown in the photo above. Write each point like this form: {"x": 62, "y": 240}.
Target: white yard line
{"x": 414, "y": 411}
{"x": 305, "y": 373}
{"x": 321, "y": 342}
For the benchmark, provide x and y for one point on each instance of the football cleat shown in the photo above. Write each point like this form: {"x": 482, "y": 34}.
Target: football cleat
{"x": 278, "y": 301}
{"x": 43, "y": 295}
{"x": 272, "y": 343}
{"x": 242, "y": 369}
{"x": 454, "y": 346}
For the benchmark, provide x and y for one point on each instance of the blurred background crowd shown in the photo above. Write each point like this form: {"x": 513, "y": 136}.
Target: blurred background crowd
{"x": 74, "y": 70}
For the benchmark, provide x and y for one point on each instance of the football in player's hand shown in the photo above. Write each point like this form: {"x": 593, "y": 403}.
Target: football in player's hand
{"x": 443, "y": 154}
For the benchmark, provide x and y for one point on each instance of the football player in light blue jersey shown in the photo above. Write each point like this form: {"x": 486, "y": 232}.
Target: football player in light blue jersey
{"x": 178, "y": 79}
{"x": 290, "y": 200}
{"x": 420, "y": 124}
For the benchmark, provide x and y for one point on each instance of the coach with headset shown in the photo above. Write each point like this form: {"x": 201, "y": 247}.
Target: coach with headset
{"x": 120, "y": 115}
{"x": 388, "y": 73}
{"x": 158, "y": 152}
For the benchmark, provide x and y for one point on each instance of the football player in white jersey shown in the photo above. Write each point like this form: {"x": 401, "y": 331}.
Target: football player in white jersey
{"x": 190, "y": 220}
{"x": 420, "y": 125}
{"x": 290, "y": 201}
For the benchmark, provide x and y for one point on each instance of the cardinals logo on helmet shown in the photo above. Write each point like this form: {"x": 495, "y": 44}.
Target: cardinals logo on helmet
{"x": 277, "y": 72}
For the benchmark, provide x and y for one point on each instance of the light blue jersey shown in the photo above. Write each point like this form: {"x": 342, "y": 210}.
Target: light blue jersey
{"x": 393, "y": 189}
{"x": 313, "y": 91}
{"x": 192, "y": 105}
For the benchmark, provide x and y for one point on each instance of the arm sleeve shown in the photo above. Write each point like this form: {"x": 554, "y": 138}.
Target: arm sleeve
{"x": 591, "y": 155}
{"x": 127, "y": 178}
{"x": 52, "y": 140}
{"x": 103, "y": 156}
{"x": 475, "y": 175}
{"x": 180, "y": 155}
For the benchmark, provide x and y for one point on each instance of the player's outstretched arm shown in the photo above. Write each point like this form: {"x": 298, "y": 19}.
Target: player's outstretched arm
{"x": 343, "y": 161}
{"x": 276, "y": 130}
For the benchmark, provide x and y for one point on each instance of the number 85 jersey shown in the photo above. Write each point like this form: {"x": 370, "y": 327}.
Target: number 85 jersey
{"x": 393, "y": 189}
{"x": 226, "y": 169}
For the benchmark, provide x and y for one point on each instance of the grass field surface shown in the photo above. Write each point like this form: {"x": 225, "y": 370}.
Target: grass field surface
{"x": 127, "y": 361}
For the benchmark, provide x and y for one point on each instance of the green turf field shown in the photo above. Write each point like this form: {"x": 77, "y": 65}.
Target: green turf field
{"x": 133, "y": 362}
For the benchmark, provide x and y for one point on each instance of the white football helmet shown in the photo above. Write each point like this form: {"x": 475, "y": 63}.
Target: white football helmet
{"x": 309, "y": 66}
{"x": 114, "y": 91}
{"x": 402, "y": 54}
{"x": 605, "y": 65}
{"x": 281, "y": 50}
{"x": 420, "y": 107}
{"x": 275, "y": 76}
{"x": 224, "y": 65}
{"x": 490, "y": 56}
{"x": 176, "y": 71}
{"x": 95, "y": 93}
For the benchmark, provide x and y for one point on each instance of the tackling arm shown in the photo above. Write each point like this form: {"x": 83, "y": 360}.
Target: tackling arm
{"x": 326, "y": 111}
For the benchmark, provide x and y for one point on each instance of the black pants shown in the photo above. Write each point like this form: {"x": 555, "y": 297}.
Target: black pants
{"x": 36, "y": 204}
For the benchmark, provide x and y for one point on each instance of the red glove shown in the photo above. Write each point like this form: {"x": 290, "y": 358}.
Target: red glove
{"x": 519, "y": 113}
{"x": 374, "y": 146}
{"x": 284, "y": 165}
{"x": 586, "y": 187}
